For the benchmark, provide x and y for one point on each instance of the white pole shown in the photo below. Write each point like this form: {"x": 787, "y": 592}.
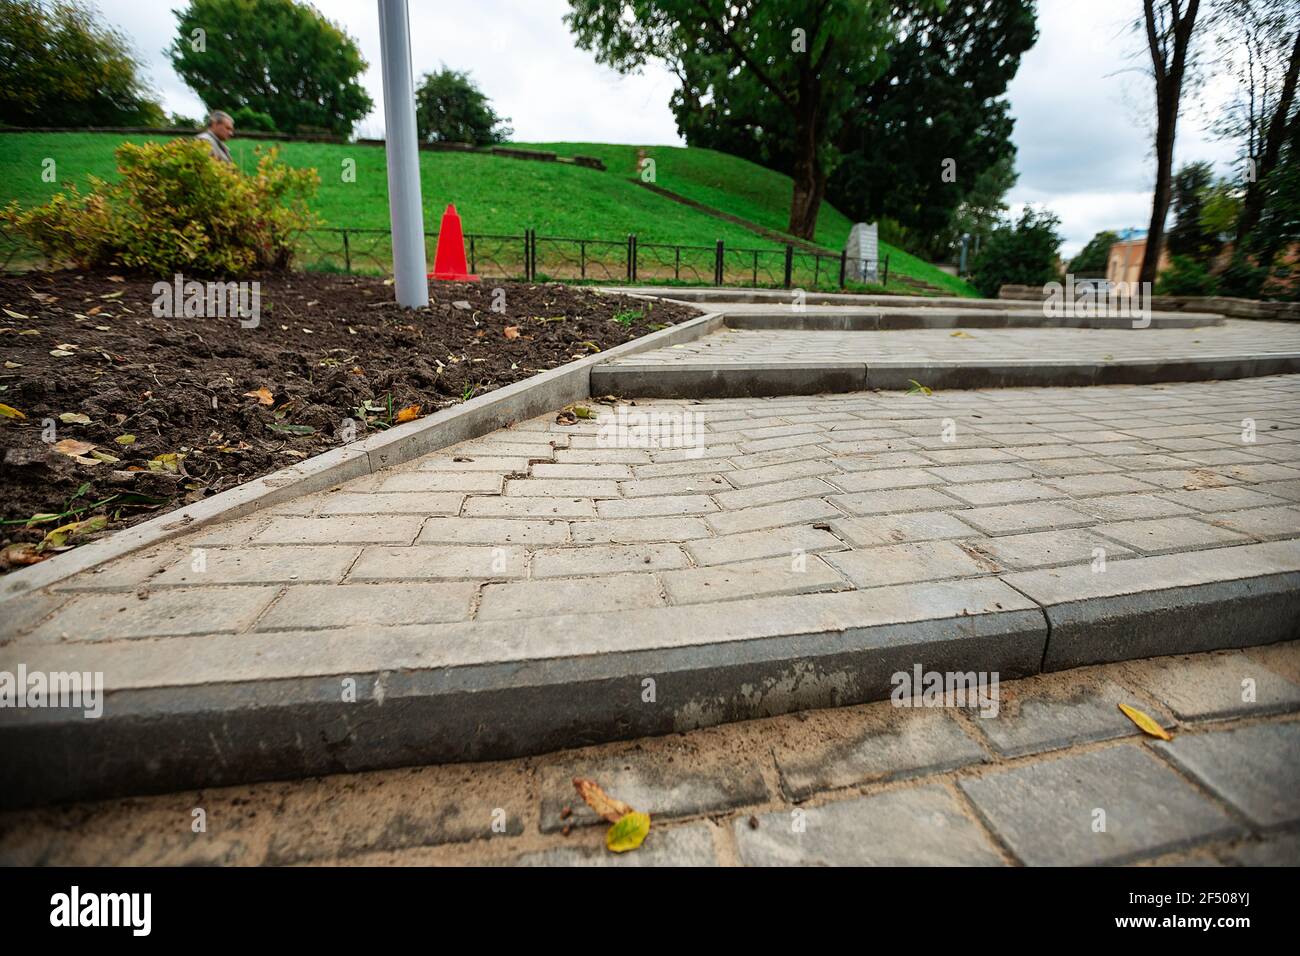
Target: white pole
{"x": 404, "y": 201}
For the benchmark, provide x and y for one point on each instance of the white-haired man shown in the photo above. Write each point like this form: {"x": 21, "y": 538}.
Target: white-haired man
{"x": 220, "y": 128}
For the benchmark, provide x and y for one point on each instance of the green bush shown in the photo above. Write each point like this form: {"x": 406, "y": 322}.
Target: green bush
{"x": 1023, "y": 253}
{"x": 248, "y": 118}
{"x": 176, "y": 209}
{"x": 1186, "y": 276}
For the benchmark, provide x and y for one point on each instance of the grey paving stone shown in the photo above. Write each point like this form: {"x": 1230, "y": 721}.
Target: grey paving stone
{"x": 561, "y": 488}
{"x": 880, "y": 742}
{"x": 881, "y": 461}
{"x": 1223, "y": 499}
{"x": 365, "y": 529}
{"x": 809, "y": 468}
{"x": 651, "y": 785}
{"x": 766, "y": 578}
{"x": 1003, "y": 492}
{"x": 1087, "y": 486}
{"x": 753, "y": 545}
{"x": 546, "y": 508}
{"x": 884, "y": 479}
{"x": 772, "y": 493}
{"x": 1256, "y": 768}
{"x": 1129, "y": 507}
{"x": 900, "y": 528}
{"x": 1214, "y": 687}
{"x": 1017, "y": 519}
{"x": 606, "y": 559}
{"x": 501, "y": 466}
{"x": 315, "y": 564}
{"x": 24, "y": 613}
{"x": 919, "y": 826}
{"x": 1263, "y": 524}
{"x": 313, "y": 605}
{"x": 127, "y": 572}
{"x": 614, "y": 471}
{"x": 805, "y": 511}
{"x": 1043, "y": 714}
{"x": 475, "y": 482}
{"x": 655, "y": 507}
{"x": 609, "y": 592}
{"x": 493, "y": 531}
{"x": 689, "y": 466}
{"x": 904, "y": 563}
{"x": 1178, "y": 533}
{"x": 894, "y": 500}
{"x": 963, "y": 473}
{"x": 393, "y": 503}
{"x": 1041, "y": 549}
{"x": 439, "y": 563}
{"x": 638, "y": 530}
{"x": 163, "y": 612}
{"x": 1045, "y": 811}
{"x": 1278, "y": 850}
{"x": 693, "y": 484}
{"x": 688, "y": 845}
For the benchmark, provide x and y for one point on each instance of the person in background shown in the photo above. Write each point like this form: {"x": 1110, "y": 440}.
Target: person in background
{"x": 220, "y": 128}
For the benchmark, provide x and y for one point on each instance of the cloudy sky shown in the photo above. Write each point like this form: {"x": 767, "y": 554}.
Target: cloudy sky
{"x": 1079, "y": 102}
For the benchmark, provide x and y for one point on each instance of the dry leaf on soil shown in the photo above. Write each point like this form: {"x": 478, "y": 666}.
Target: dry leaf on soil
{"x": 263, "y": 396}
{"x": 408, "y": 414}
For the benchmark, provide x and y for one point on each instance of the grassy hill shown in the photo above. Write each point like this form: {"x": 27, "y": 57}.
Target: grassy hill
{"x": 496, "y": 195}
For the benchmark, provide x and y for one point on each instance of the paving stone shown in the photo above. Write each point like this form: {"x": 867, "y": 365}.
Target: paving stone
{"x": 875, "y": 743}
{"x": 805, "y": 511}
{"x": 1041, "y": 549}
{"x": 1169, "y": 534}
{"x": 493, "y": 531}
{"x": 1264, "y": 524}
{"x": 128, "y": 572}
{"x": 1066, "y": 467}
{"x": 773, "y": 493}
{"x": 378, "y": 605}
{"x": 646, "y": 781}
{"x": 616, "y": 472}
{"x": 438, "y": 564}
{"x": 475, "y": 482}
{"x": 606, "y": 559}
{"x": 957, "y": 474}
{"x": 904, "y": 563}
{"x": 1279, "y": 850}
{"x": 884, "y": 479}
{"x": 1222, "y": 499}
{"x": 656, "y": 507}
{"x": 1002, "y": 492}
{"x": 689, "y": 845}
{"x": 608, "y": 592}
{"x": 1214, "y": 687}
{"x": 501, "y": 466}
{"x": 690, "y": 466}
{"x": 766, "y": 578}
{"x": 366, "y": 529}
{"x": 637, "y": 530}
{"x": 1129, "y": 507}
{"x": 1045, "y": 811}
{"x": 919, "y": 826}
{"x": 1256, "y": 768}
{"x": 1086, "y": 486}
{"x": 697, "y": 484}
{"x": 762, "y": 544}
{"x": 603, "y": 456}
{"x": 882, "y": 461}
{"x": 164, "y": 612}
{"x": 561, "y": 488}
{"x": 886, "y": 502}
{"x": 393, "y": 503}
{"x": 1017, "y": 519}
{"x": 24, "y": 613}
{"x": 528, "y": 508}
{"x": 809, "y": 468}
{"x": 1049, "y": 713}
{"x": 314, "y": 564}
{"x": 900, "y": 528}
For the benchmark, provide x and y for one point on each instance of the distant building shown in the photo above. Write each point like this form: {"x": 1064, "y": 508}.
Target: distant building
{"x": 1124, "y": 264}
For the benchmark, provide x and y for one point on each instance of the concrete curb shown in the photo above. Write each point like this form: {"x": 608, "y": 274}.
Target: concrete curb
{"x": 504, "y": 406}
{"x": 873, "y": 321}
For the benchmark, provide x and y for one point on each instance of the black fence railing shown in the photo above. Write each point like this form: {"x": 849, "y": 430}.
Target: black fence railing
{"x": 545, "y": 258}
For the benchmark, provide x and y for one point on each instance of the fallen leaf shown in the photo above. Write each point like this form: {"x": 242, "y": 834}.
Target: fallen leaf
{"x": 408, "y": 414}
{"x": 582, "y": 411}
{"x": 114, "y": 278}
{"x": 170, "y": 461}
{"x": 105, "y": 457}
{"x": 512, "y": 331}
{"x": 125, "y": 439}
{"x": 9, "y": 364}
{"x": 74, "y": 418}
{"x": 263, "y": 396}
{"x": 8, "y": 412}
{"x": 918, "y": 389}
{"x": 292, "y": 429}
{"x": 605, "y": 806}
{"x": 1145, "y": 722}
{"x": 628, "y": 833}
{"x": 959, "y": 334}
{"x": 21, "y": 554}
{"x": 60, "y": 353}
{"x": 16, "y": 315}
{"x": 58, "y": 537}
{"x": 73, "y": 448}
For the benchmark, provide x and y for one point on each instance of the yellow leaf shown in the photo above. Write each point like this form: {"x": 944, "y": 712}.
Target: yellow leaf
{"x": 73, "y": 448}
{"x": 408, "y": 414}
{"x": 166, "y": 462}
{"x": 263, "y": 396}
{"x": 628, "y": 833}
{"x": 1145, "y": 722}
{"x": 125, "y": 439}
{"x": 16, "y": 315}
{"x": 959, "y": 334}
{"x": 605, "y": 806}
{"x": 74, "y": 418}
{"x": 582, "y": 411}
{"x": 7, "y": 412}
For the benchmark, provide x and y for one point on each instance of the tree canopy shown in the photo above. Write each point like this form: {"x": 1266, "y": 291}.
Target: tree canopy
{"x": 60, "y": 67}
{"x": 277, "y": 57}
{"x": 450, "y": 108}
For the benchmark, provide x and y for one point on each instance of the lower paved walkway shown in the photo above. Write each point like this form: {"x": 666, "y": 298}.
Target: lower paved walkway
{"x": 1235, "y": 338}
{"x": 1057, "y": 776}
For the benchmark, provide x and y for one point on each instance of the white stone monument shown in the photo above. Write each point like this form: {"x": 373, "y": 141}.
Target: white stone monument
{"x": 863, "y": 253}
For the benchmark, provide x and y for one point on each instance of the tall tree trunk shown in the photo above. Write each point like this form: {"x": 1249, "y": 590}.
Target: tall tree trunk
{"x": 1169, "y": 66}
{"x": 809, "y": 177}
{"x": 1253, "y": 205}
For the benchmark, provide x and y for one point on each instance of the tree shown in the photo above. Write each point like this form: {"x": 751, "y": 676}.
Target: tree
{"x": 806, "y": 56}
{"x": 1188, "y": 191}
{"x": 276, "y": 57}
{"x": 449, "y": 108}
{"x": 60, "y": 67}
{"x": 1020, "y": 253}
{"x": 1169, "y": 26}
{"x": 1094, "y": 257}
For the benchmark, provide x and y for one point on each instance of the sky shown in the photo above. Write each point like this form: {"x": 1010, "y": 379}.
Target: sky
{"x": 1079, "y": 99}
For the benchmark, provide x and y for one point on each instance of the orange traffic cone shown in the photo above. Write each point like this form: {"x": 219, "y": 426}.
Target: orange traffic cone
{"x": 449, "y": 260}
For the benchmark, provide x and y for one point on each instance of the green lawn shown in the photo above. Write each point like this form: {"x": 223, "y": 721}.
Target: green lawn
{"x": 497, "y": 195}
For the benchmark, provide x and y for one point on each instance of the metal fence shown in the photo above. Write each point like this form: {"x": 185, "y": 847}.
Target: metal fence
{"x": 532, "y": 257}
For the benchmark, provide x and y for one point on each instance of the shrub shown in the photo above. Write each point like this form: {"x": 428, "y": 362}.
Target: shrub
{"x": 1023, "y": 253}
{"x": 248, "y": 118}
{"x": 175, "y": 209}
{"x": 1186, "y": 276}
